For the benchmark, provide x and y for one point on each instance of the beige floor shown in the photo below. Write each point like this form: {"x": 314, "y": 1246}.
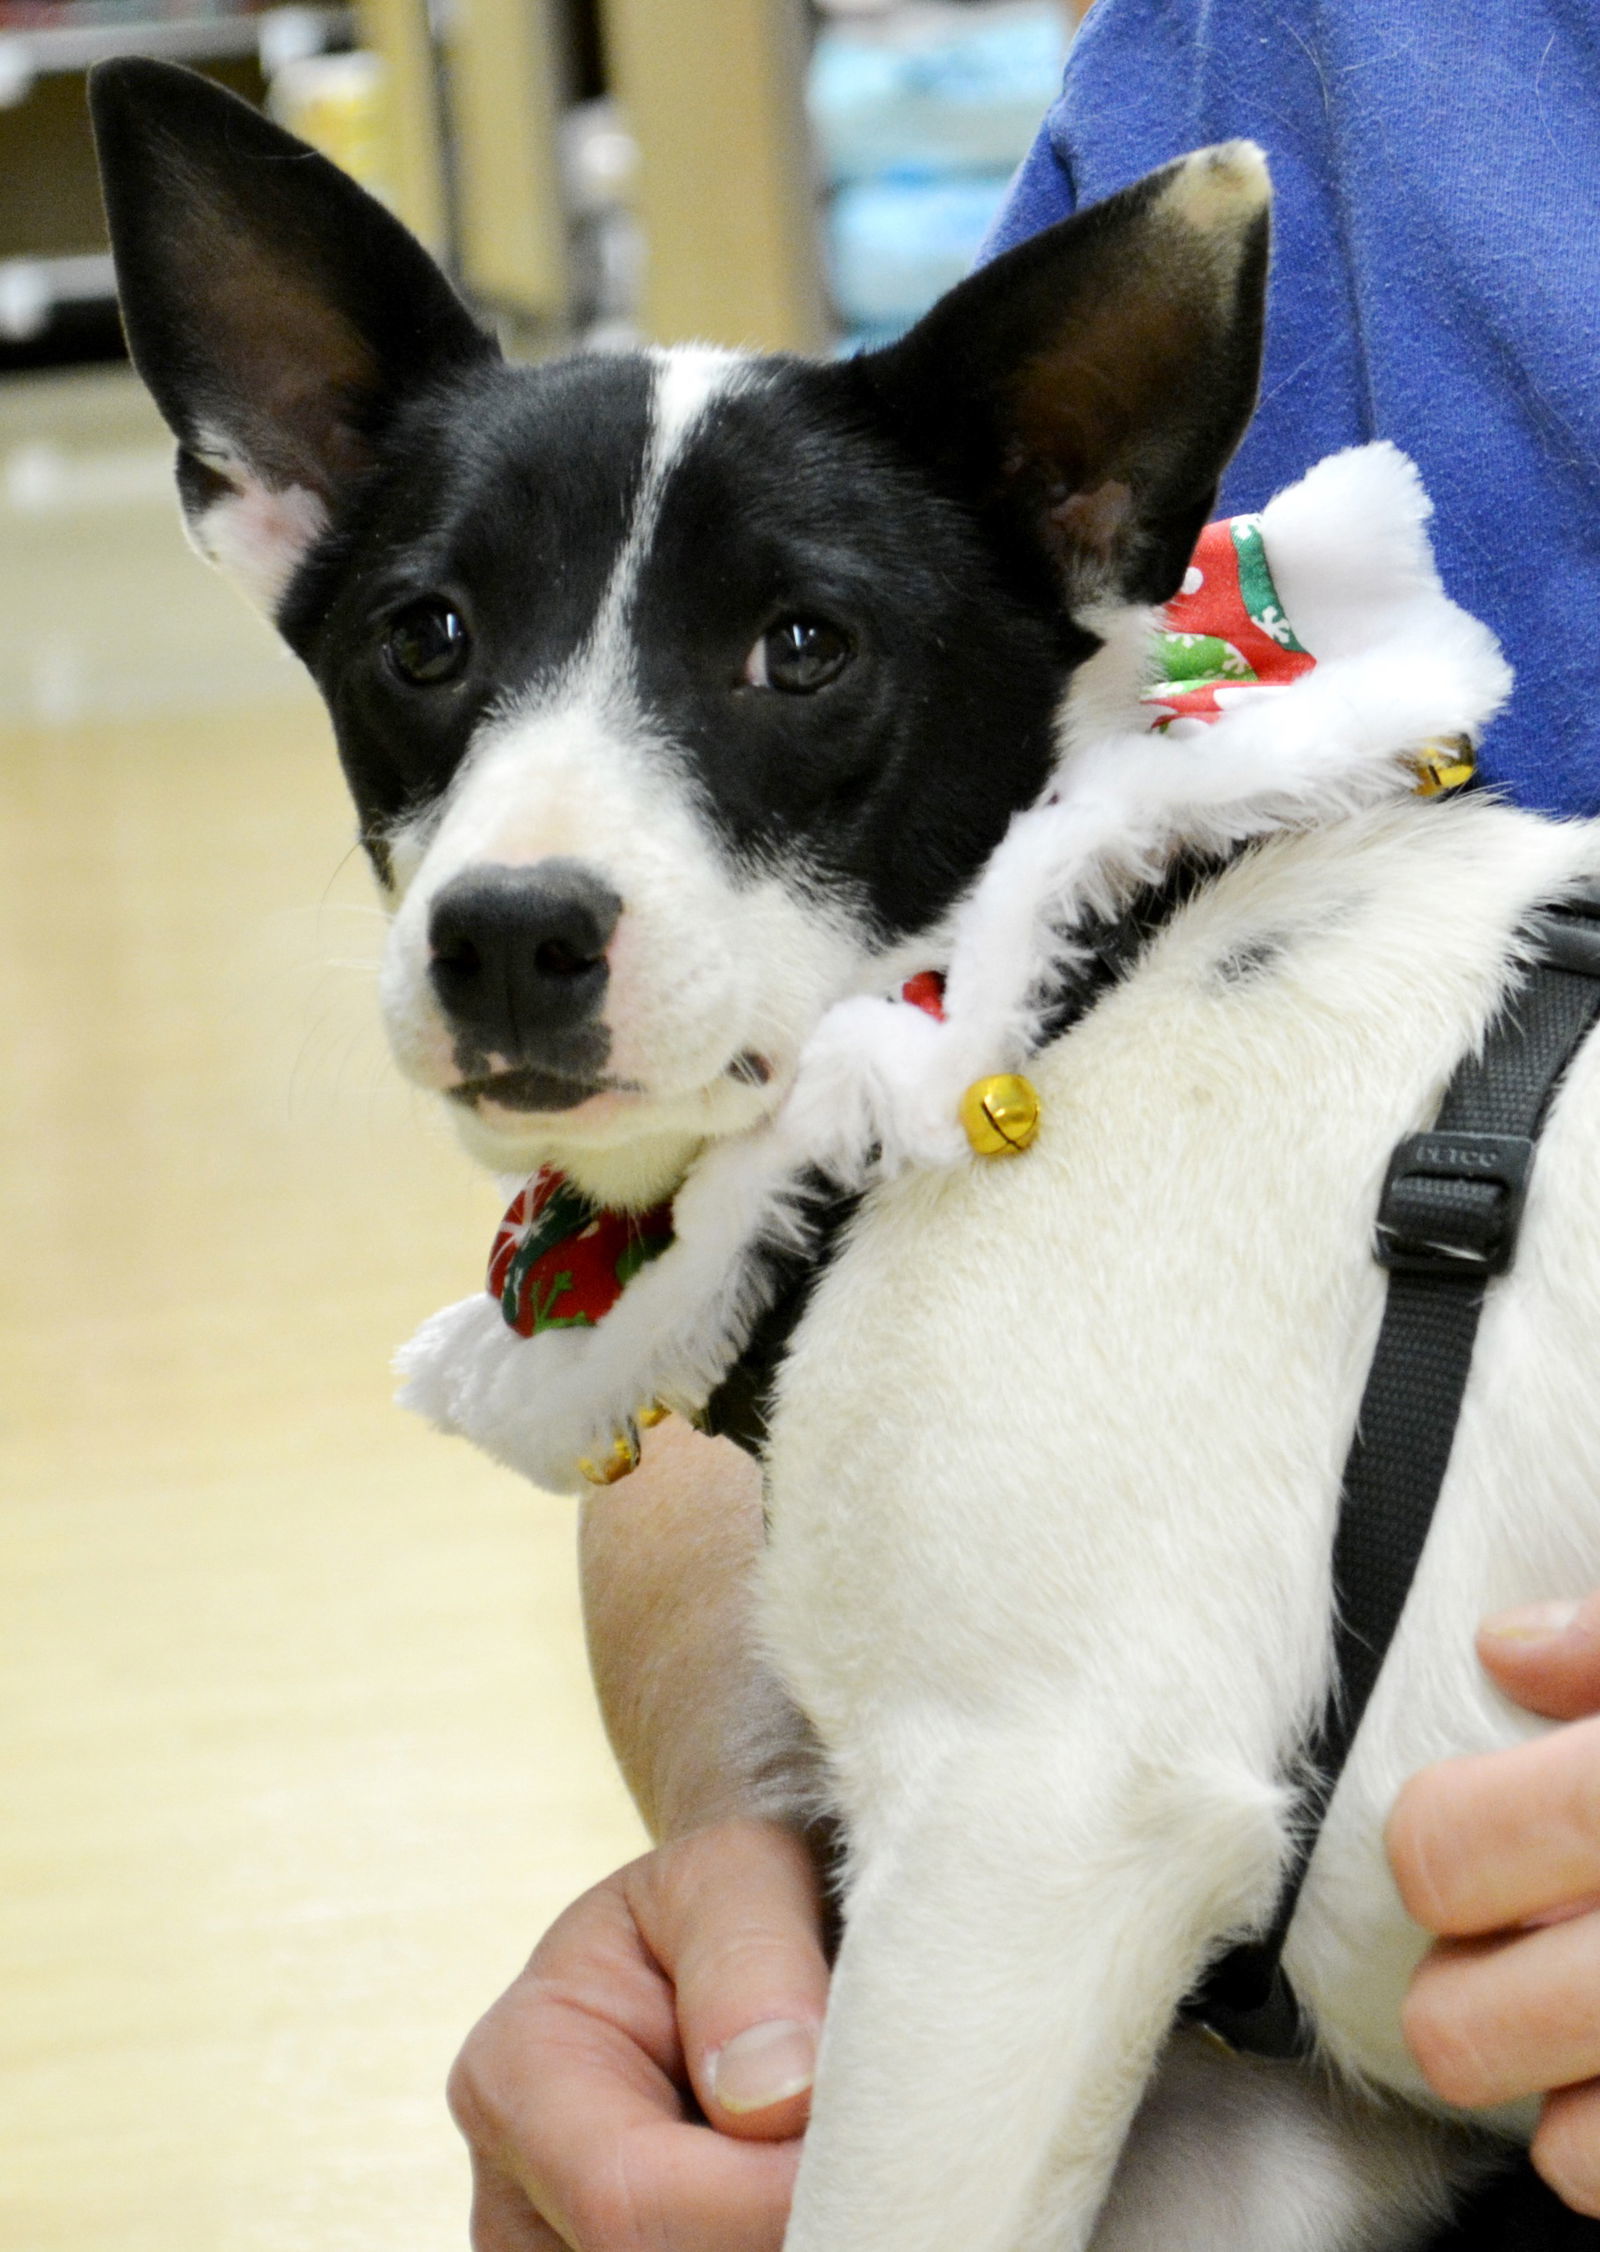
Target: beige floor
{"x": 296, "y": 1748}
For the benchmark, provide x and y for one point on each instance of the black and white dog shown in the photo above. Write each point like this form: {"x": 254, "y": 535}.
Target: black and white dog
{"x": 683, "y": 696}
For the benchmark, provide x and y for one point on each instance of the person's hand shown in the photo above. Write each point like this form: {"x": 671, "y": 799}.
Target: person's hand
{"x": 687, "y": 1988}
{"x": 1500, "y": 1855}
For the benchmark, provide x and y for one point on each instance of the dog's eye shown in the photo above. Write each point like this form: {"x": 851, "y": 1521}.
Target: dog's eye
{"x": 798, "y": 655}
{"x": 427, "y": 642}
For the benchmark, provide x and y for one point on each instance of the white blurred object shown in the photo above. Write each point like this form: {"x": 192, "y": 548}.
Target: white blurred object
{"x": 599, "y": 156}
{"x": 599, "y": 166}
{"x": 42, "y": 478}
{"x": 933, "y": 87}
{"x": 16, "y": 72}
{"x": 32, "y": 288}
{"x": 288, "y": 35}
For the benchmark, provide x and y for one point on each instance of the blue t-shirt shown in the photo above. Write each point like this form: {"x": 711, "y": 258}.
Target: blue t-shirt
{"x": 1436, "y": 280}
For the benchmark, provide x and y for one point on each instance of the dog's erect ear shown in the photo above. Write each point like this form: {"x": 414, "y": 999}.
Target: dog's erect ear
{"x": 276, "y": 311}
{"x": 1088, "y": 387}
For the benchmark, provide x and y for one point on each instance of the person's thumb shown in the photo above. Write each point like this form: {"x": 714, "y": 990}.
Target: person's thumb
{"x": 734, "y": 1917}
{"x": 1547, "y": 1656}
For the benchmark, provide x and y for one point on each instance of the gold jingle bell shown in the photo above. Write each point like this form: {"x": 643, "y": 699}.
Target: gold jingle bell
{"x": 1000, "y": 1115}
{"x": 622, "y": 1460}
{"x": 624, "y": 1456}
{"x": 1444, "y": 765}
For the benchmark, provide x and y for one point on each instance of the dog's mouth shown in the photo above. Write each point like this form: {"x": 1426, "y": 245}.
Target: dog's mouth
{"x": 531, "y": 1089}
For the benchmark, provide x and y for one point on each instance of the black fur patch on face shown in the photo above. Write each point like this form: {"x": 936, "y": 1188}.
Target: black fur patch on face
{"x": 894, "y": 780}
{"x": 510, "y": 492}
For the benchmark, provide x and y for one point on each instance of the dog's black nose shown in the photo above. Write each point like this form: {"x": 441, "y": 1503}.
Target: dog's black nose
{"x": 519, "y": 962}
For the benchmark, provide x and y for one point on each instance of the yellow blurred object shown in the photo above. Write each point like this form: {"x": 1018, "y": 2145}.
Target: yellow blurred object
{"x": 339, "y": 103}
{"x": 620, "y": 1463}
{"x": 400, "y": 34}
{"x": 1000, "y": 1115}
{"x": 726, "y": 194}
{"x": 506, "y": 76}
{"x": 1445, "y": 765}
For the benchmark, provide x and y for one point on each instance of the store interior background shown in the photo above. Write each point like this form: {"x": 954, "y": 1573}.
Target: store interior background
{"x": 297, "y": 1749}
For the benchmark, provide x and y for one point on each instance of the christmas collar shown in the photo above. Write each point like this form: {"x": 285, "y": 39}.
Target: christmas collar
{"x": 1225, "y": 636}
{"x": 562, "y": 1262}
{"x": 1225, "y": 631}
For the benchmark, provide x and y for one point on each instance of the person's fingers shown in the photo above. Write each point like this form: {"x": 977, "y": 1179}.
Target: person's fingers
{"x": 503, "y": 2220}
{"x": 1480, "y": 1844}
{"x": 572, "y": 2091}
{"x": 1490, "y": 2021}
{"x": 1547, "y": 1656}
{"x": 735, "y": 1918}
{"x": 1566, "y": 2149}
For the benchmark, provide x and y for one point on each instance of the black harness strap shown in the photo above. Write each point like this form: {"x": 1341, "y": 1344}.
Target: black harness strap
{"x": 1447, "y": 1223}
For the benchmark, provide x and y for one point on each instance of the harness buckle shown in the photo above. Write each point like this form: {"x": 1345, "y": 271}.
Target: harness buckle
{"x": 1452, "y": 1204}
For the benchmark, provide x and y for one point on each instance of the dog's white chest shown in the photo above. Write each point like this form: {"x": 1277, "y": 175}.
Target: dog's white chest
{"x": 1063, "y": 1433}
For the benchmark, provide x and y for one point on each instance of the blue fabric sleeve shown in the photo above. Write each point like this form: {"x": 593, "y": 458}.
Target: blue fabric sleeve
{"x": 1436, "y": 280}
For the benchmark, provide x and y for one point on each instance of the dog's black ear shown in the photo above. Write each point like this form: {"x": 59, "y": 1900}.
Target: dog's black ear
{"x": 275, "y": 309}
{"x": 1085, "y": 391}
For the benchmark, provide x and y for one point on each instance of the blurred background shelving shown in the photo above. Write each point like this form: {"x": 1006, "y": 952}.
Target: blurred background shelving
{"x": 746, "y": 171}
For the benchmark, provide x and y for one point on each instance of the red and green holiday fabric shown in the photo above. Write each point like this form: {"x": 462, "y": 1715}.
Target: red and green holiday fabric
{"x": 560, "y": 1262}
{"x": 1224, "y": 633}
{"x": 925, "y": 991}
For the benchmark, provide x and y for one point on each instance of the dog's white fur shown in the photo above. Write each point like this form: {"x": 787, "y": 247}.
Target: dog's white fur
{"x": 1055, "y": 1458}
{"x": 1052, "y": 1480}
{"x": 255, "y": 532}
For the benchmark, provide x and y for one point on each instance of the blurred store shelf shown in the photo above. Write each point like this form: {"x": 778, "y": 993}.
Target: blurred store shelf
{"x": 921, "y": 113}
{"x": 56, "y": 290}
{"x": 37, "y": 40}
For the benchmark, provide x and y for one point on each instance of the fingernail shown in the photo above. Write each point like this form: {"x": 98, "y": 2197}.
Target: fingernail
{"x": 1534, "y": 1622}
{"x": 764, "y": 2065}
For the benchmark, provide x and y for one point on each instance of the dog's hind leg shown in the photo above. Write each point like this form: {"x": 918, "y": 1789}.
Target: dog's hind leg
{"x": 1236, "y": 2154}
{"x": 1026, "y": 1917}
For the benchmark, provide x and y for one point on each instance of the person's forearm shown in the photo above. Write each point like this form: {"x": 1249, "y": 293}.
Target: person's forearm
{"x": 667, "y": 1560}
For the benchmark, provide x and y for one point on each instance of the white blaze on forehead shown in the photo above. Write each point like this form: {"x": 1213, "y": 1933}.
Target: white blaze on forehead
{"x": 591, "y": 699}
{"x": 687, "y": 379}
{"x": 686, "y": 382}
{"x": 592, "y": 696}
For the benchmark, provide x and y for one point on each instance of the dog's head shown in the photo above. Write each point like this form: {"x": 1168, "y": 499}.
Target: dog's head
{"x": 675, "y": 691}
